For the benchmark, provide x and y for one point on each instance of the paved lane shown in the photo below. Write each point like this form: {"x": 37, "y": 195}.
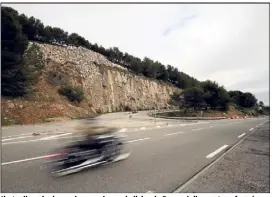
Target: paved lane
{"x": 162, "y": 161}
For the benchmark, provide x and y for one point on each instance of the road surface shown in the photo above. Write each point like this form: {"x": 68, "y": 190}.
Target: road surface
{"x": 163, "y": 157}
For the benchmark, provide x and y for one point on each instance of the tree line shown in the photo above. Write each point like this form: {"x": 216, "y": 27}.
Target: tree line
{"x": 209, "y": 95}
{"x": 18, "y": 29}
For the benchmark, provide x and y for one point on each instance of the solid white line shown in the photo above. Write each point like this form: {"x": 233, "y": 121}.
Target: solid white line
{"x": 9, "y": 139}
{"x": 29, "y": 159}
{"x": 12, "y": 136}
{"x": 55, "y": 136}
{"x": 241, "y": 135}
{"x": 251, "y": 129}
{"x": 45, "y": 156}
{"x": 19, "y": 142}
{"x": 216, "y": 152}
{"x": 36, "y": 140}
{"x": 174, "y": 133}
{"x": 23, "y": 160}
{"x": 147, "y": 138}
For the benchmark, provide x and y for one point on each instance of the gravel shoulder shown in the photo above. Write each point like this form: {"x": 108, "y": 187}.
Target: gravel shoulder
{"x": 245, "y": 169}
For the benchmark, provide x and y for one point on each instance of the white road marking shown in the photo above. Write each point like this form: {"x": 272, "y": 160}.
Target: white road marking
{"x": 158, "y": 126}
{"x": 42, "y": 139}
{"x": 197, "y": 129}
{"x": 123, "y": 130}
{"x": 147, "y": 138}
{"x": 19, "y": 142}
{"x": 55, "y": 136}
{"x": 216, "y": 152}
{"x": 241, "y": 135}
{"x": 169, "y": 125}
{"x": 12, "y": 136}
{"x": 174, "y": 133}
{"x": 183, "y": 125}
{"x": 10, "y": 139}
{"x": 212, "y": 126}
{"x": 142, "y": 128}
{"x": 46, "y": 156}
{"x": 251, "y": 129}
{"x": 24, "y": 160}
{"x": 31, "y": 134}
{"x": 75, "y": 136}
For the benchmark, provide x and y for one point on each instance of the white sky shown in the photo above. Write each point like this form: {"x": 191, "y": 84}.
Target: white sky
{"x": 226, "y": 43}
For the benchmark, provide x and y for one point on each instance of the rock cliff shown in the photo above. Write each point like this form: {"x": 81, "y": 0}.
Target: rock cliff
{"x": 107, "y": 87}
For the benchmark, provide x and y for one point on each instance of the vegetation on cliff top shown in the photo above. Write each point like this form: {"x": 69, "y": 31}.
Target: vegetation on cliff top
{"x": 18, "y": 29}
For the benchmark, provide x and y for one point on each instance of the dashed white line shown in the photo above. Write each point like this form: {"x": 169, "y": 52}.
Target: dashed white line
{"x": 169, "y": 125}
{"x": 251, "y": 129}
{"x": 182, "y": 125}
{"x": 147, "y": 138}
{"x": 241, "y": 135}
{"x": 142, "y": 128}
{"x": 158, "y": 126}
{"x": 216, "y": 152}
{"x": 173, "y": 133}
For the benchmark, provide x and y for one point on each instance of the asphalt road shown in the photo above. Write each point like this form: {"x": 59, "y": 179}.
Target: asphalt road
{"x": 244, "y": 169}
{"x": 163, "y": 157}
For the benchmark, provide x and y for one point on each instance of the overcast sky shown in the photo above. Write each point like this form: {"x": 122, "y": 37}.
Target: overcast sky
{"x": 226, "y": 43}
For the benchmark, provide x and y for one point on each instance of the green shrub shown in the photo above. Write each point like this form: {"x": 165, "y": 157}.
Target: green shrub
{"x": 72, "y": 93}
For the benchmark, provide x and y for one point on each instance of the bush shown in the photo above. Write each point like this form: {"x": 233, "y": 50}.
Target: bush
{"x": 72, "y": 93}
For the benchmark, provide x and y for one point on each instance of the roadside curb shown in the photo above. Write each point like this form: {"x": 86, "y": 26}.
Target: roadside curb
{"x": 203, "y": 170}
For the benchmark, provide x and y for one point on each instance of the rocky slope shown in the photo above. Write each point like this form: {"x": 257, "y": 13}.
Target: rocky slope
{"x": 107, "y": 87}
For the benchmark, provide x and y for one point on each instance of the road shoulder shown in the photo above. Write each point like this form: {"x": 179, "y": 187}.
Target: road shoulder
{"x": 245, "y": 169}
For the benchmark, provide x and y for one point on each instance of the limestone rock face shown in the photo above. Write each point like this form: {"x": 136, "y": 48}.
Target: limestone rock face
{"x": 108, "y": 87}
